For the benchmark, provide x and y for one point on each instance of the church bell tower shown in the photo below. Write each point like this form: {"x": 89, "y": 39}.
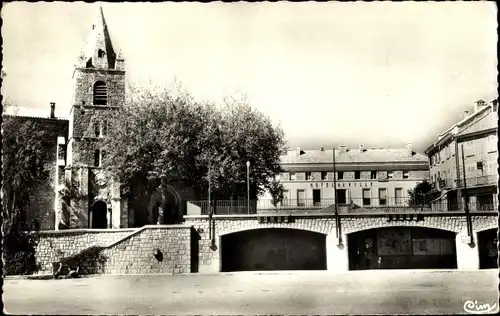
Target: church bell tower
{"x": 98, "y": 90}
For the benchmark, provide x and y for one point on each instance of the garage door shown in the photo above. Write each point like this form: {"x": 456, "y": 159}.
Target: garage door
{"x": 273, "y": 249}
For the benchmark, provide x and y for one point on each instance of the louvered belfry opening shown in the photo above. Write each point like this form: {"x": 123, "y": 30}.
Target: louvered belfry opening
{"x": 100, "y": 93}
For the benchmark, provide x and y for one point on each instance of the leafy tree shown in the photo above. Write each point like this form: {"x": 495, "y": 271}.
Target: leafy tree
{"x": 418, "y": 195}
{"x": 164, "y": 135}
{"x": 26, "y": 164}
{"x": 276, "y": 190}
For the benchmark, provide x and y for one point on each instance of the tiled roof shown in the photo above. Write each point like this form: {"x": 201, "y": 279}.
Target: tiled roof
{"x": 351, "y": 156}
{"x": 486, "y": 122}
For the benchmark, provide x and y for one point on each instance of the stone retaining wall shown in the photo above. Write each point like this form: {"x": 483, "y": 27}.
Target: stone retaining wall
{"x": 156, "y": 249}
{"x": 119, "y": 251}
{"x": 55, "y": 245}
{"x": 209, "y": 254}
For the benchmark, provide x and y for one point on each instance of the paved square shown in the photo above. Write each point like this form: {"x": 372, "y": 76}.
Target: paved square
{"x": 360, "y": 292}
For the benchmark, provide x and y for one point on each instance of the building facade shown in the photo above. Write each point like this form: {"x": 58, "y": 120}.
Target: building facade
{"x": 464, "y": 162}
{"x": 81, "y": 193}
{"x": 361, "y": 177}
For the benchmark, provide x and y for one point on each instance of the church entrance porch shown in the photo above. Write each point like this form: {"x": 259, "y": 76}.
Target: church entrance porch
{"x": 99, "y": 215}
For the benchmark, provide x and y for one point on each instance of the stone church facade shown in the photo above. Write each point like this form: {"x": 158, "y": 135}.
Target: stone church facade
{"x": 81, "y": 193}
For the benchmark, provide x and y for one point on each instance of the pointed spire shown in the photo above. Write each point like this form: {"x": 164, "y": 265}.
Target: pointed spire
{"x": 98, "y": 51}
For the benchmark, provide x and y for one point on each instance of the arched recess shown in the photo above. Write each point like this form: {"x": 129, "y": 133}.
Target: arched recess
{"x": 402, "y": 247}
{"x": 487, "y": 242}
{"x": 171, "y": 202}
{"x": 99, "y": 214}
{"x": 266, "y": 249}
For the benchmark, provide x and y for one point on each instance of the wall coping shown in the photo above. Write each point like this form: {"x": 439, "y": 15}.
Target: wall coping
{"x": 86, "y": 230}
{"x": 110, "y": 230}
{"x": 342, "y": 215}
{"x": 174, "y": 226}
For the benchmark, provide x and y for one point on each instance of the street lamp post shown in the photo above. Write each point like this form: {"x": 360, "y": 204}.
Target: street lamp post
{"x": 248, "y": 187}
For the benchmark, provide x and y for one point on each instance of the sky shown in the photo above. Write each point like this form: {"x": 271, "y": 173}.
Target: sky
{"x": 377, "y": 74}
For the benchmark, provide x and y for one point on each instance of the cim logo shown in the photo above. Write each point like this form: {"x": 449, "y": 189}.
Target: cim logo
{"x": 474, "y": 308}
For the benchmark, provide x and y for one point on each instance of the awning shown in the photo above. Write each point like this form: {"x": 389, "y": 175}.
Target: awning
{"x": 445, "y": 192}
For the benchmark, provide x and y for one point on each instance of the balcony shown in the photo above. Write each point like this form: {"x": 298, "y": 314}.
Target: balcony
{"x": 459, "y": 206}
{"x": 490, "y": 180}
{"x": 301, "y": 206}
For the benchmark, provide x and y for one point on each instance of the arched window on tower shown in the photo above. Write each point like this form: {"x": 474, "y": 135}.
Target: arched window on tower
{"x": 100, "y": 93}
{"x": 100, "y": 53}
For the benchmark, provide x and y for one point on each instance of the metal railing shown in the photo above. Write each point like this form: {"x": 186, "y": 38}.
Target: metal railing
{"x": 471, "y": 182}
{"x": 478, "y": 181}
{"x": 459, "y": 206}
{"x": 236, "y": 207}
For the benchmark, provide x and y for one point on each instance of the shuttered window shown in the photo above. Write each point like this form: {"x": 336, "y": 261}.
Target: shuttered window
{"x": 366, "y": 197}
{"x": 100, "y": 93}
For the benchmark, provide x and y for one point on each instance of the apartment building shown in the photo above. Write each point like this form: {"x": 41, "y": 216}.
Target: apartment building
{"x": 464, "y": 160}
{"x": 364, "y": 177}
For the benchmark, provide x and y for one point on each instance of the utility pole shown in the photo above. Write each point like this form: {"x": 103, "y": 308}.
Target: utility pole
{"x": 209, "y": 205}
{"x": 337, "y": 221}
{"x": 466, "y": 199}
{"x": 248, "y": 187}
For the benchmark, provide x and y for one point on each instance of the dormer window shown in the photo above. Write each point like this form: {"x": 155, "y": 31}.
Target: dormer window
{"x": 100, "y": 93}
{"x": 100, "y": 53}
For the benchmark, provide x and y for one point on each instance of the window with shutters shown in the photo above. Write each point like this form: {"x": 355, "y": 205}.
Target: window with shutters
{"x": 100, "y": 93}
{"x": 366, "y": 197}
{"x": 382, "y": 196}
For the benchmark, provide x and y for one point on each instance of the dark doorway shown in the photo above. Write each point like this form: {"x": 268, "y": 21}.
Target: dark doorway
{"x": 171, "y": 215}
{"x": 316, "y": 197}
{"x": 402, "y": 248}
{"x": 273, "y": 249}
{"x": 99, "y": 218}
{"x": 488, "y": 249}
{"x": 341, "y": 196}
{"x": 452, "y": 201}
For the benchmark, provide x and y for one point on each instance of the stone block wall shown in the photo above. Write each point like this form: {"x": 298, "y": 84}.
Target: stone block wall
{"x": 124, "y": 251}
{"x": 55, "y": 245}
{"x": 381, "y": 174}
{"x": 285, "y": 176}
{"x": 209, "y": 254}
{"x": 398, "y": 174}
{"x": 86, "y": 78}
{"x": 348, "y": 175}
{"x": 136, "y": 254}
{"x": 423, "y": 174}
{"x": 365, "y": 175}
{"x": 300, "y": 176}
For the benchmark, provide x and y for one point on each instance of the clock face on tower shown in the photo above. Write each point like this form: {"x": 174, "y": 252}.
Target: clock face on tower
{"x": 100, "y": 178}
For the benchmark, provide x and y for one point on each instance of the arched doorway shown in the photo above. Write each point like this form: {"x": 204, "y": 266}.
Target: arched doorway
{"x": 402, "y": 248}
{"x": 273, "y": 249}
{"x": 171, "y": 213}
{"x": 99, "y": 215}
{"x": 169, "y": 200}
{"x": 488, "y": 249}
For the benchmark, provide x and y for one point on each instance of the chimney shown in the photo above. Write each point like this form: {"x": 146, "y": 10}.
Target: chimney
{"x": 466, "y": 113}
{"x": 409, "y": 149}
{"x": 361, "y": 149}
{"x": 479, "y": 105}
{"x": 342, "y": 148}
{"x": 298, "y": 151}
{"x": 52, "y": 109}
{"x": 322, "y": 149}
